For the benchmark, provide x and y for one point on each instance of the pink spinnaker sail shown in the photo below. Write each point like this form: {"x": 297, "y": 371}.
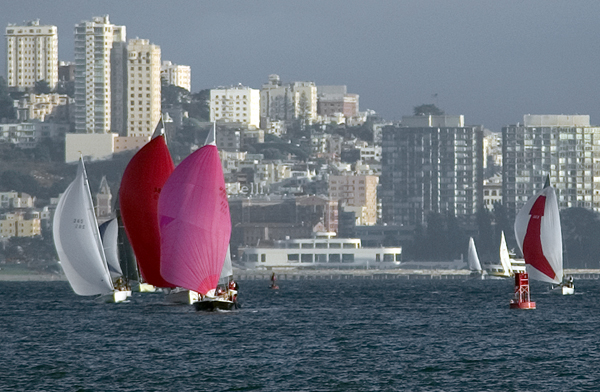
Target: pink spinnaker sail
{"x": 194, "y": 222}
{"x": 538, "y": 233}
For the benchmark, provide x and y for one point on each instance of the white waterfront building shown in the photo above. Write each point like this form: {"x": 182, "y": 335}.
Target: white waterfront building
{"x": 323, "y": 251}
{"x": 31, "y": 55}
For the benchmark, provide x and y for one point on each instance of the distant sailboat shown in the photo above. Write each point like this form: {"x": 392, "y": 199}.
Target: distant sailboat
{"x": 505, "y": 257}
{"x": 141, "y": 185}
{"x": 78, "y": 244}
{"x": 473, "y": 261}
{"x": 538, "y": 233}
{"x": 195, "y": 226}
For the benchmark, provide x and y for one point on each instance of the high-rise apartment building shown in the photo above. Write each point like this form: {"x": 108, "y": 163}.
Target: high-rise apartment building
{"x": 431, "y": 163}
{"x": 177, "y": 75}
{"x": 297, "y": 100}
{"x": 143, "y": 85}
{"x": 93, "y": 44}
{"x": 31, "y": 55}
{"x": 236, "y": 104}
{"x": 358, "y": 193}
{"x": 567, "y": 148}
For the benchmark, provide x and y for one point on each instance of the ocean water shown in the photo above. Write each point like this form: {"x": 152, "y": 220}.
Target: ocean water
{"x": 311, "y": 335}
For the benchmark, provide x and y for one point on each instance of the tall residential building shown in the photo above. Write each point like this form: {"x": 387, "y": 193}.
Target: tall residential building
{"x": 177, "y": 75}
{"x": 236, "y": 104}
{"x": 93, "y": 44}
{"x": 143, "y": 84}
{"x": 358, "y": 194}
{"x": 118, "y": 88}
{"x": 567, "y": 148}
{"x": 297, "y": 100}
{"x": 31, "y": 55}
{"x": 431, "y": 163}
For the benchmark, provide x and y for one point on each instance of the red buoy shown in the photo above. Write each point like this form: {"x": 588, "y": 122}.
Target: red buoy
{"x": 521, "y": 298}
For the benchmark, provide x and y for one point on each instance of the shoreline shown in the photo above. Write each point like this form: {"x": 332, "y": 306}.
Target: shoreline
{"x": 290, "y": 274}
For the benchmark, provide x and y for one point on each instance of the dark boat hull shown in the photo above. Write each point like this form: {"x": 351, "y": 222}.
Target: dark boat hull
{"x": 211, "y": 306}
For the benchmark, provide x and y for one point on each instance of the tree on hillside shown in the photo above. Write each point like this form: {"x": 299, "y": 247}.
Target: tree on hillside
{"x": 7, "y": 110}
{"x": 427, "y": 109}
{"x": 199, "y": 105}
{"x": 173, "y": 95}
{"x": 42, "y": 87}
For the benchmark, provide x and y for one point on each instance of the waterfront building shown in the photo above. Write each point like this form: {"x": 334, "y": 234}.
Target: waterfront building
{"x": 29, "y": 134}
{"x": 93, "y": 44}
{"x": 14, "y": 199}
{"x": 20, "y": 224}
{"x": 31, "y": 55}
{"x": 237, "y": 104}
{"x": 431, "y": 164}
{"x": 177, "y": 75}
{"x": 144, "y": 90}
{"x": 322, "y": 251}
{"x": 565, "y": 147}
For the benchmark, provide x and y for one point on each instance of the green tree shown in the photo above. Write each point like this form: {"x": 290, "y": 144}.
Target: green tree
{"x": 199, "y": 105}
{"x": 7, "y": 110}
{"x": 427, "y": 109}
{"x": 42, "y": 87}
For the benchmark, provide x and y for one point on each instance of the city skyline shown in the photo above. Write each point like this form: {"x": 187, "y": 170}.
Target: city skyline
{"x": 492, "y": 62}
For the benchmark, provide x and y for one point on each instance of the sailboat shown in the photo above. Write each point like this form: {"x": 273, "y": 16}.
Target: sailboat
{"x": 195, "y": 227}
{"x": 504, "y": 270}
{"x": 539, "y": 236}
{"x": 473, "y": 261}
{"x": 78, "y": 244}
{"x": 140, "y": 188}
{"x": 109, "y": 235}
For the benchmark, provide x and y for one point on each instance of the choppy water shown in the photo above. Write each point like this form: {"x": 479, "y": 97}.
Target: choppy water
{"x": 316, "y": 335}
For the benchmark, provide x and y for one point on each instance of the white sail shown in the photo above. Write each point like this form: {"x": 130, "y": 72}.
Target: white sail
{"x": 538, "y": 233}
{"x": 109, "y": 233}
{"x": 504, "y": 257}
{"x": 227, "y": 270}
{"x": 472, "y": 258}
{"x": 77, "y": 239}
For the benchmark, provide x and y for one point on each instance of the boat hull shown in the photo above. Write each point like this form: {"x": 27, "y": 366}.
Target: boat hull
{"x": 213, "y": 305}
{"x": 182, "y": 297}
{"x": 115, "y": 297}
{"x": 147, "y": 288}
{"x": 568, "y": 290}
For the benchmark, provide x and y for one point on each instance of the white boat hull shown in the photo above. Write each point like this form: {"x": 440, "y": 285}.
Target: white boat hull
{"x": 568, "y": 290}
{"x": 115, "y": 297}
{"x": 147, "y": 288}
{"x": 183, "y": 297}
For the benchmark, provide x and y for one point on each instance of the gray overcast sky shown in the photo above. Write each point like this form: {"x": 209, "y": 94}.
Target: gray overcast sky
{"x": 492, "y": 61}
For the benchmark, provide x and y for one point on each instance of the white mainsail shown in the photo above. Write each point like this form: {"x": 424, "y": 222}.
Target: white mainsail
{"x": 227, "y": 270}
{"x": 109, "y": 233}
{"x": 538, "y": 233}
{"x": 472, "y": 257}
{"x": 504, "y": 256}
{"x": 77, "y": 239}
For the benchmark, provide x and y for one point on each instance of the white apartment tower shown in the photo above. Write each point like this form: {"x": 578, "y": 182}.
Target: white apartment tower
{"x": 31, "y": 55}
{"x": 93, "y": 44}
{"x": 143, "y": 84}
{"x": 177, "y": 75}
{"x": 235, "y": 104}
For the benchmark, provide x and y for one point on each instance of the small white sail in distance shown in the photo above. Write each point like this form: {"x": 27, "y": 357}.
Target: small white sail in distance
{"x": 504, "y": 256}
{"x": 472, "y": 258}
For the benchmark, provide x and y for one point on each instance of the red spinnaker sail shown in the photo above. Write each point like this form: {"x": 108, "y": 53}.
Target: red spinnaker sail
{"x": 141, "y": 185}
{"x": 194, "y": 221}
